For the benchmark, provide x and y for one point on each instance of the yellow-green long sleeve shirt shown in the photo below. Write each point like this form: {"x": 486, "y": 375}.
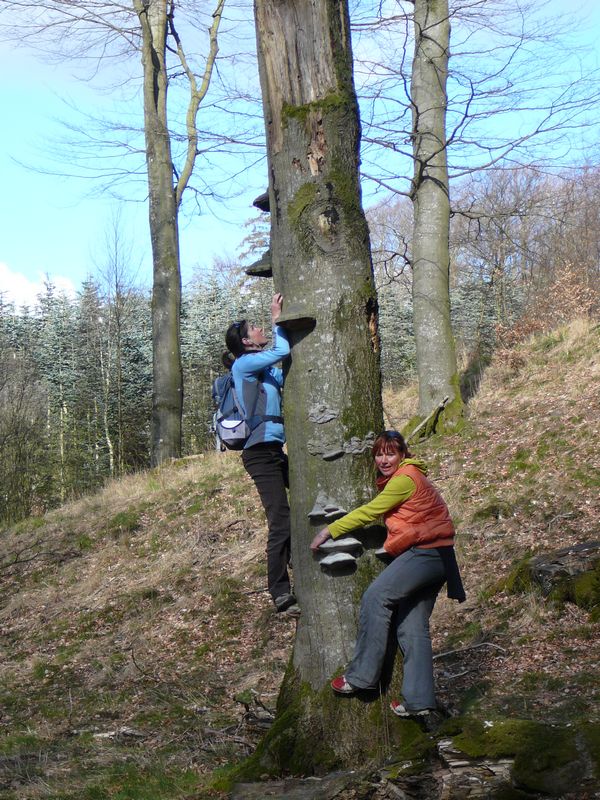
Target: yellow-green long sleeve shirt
{"x": 397, "y": 490}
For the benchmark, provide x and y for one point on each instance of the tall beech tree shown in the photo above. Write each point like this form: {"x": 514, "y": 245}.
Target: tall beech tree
{"x": 100, "y": 31}
{"x": 321, "y": 262}
{"x": 165, "y": 189}
{"x": 436, "y": 359}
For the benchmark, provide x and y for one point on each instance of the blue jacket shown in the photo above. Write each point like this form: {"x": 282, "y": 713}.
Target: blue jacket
{"x": 254, "y": 372}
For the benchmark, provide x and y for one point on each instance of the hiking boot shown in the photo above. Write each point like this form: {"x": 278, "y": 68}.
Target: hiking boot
{"x": 292, "y": 611}
{"x": 284, "y": 601}
{"x": 341, "y": 686}
{"x": 401, "y": 710}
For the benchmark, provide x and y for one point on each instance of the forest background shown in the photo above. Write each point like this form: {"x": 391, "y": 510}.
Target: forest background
{"x": 76, "y": 371}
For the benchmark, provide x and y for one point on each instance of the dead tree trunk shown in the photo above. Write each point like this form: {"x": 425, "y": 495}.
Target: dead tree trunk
{"x": 321, "y": 263}
{"x": 436, "y": 359}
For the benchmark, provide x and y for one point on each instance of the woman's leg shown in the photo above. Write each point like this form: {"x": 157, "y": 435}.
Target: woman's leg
{"x": 414, "y": 639}
{"x": 408, "y": 574}
{"x": 267, "y": 466}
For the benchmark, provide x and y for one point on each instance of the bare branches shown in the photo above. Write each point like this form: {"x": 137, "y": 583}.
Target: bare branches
{"x": 89, "y": 32}
{"x": 518, "y": 90}
{"x": 197, "y": 94}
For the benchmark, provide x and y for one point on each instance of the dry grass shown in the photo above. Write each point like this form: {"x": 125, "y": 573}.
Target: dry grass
{"x": 524, "y": 478}
{"x": 131, "y": 619}
{"x": 400, "y": 405}
{"x": 142, "y": 608}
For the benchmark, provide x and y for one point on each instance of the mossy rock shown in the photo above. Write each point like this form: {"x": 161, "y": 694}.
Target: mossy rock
{"x": 519, "y": 578}
{"x": 583, "y": 589}
{"x": 547, "y": 758}
{"x": 568, "y": 575}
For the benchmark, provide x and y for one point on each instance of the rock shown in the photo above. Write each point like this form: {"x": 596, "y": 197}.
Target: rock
{"x": 324, "y": 788}
{"x": 572, "y": 574}
{"x": 331, "y": 455}
{"x": 383, "y": 554}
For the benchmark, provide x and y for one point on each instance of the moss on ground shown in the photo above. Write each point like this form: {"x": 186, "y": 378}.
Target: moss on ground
{"x": 134, "y": 782}
{"x": 124, "y": 522}
{"x": 547, "y": 758}
{"x": 519, "y": 578}
{"x": 583, "y": 590}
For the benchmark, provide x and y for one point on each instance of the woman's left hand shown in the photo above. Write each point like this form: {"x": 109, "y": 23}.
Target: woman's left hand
{"x": 276, "y": 306}
{"x": 321, "y": 537}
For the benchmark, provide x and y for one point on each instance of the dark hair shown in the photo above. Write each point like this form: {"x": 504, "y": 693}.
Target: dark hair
{"x": 227, "y": 359}
{"x": 233, "y": 338}
{"x": 390, "y": 440}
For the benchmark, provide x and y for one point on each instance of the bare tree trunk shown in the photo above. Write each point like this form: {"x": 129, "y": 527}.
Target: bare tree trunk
{"x": 109, "y": 25}
{"x": 332, "y": 400}
{"x": 436, "y": 359}
{"x": 167, "y": 399}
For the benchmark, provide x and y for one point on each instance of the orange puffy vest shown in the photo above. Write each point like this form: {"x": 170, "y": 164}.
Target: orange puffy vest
{"x": 422, "y": 520}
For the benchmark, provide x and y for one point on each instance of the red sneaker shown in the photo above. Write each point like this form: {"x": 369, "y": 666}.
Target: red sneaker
{"x": 341, "y": 686}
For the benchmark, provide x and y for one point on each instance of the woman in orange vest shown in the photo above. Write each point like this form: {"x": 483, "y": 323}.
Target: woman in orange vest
{"x": 420, "y": 540}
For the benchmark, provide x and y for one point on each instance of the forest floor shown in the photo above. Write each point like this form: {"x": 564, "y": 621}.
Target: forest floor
{"x": 139, "y": 652}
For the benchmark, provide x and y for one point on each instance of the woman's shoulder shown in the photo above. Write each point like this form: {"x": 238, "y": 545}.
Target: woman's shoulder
{"x": 247, "y": 367}
{"x": 411, "y": 467}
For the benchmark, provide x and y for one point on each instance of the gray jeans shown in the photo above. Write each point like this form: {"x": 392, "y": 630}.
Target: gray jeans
{"x": 404, "y": 594}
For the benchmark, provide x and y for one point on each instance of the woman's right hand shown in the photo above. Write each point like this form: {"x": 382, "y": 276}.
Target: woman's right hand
{"x": 321, "y": 537}
{"x": 276, "y": 306}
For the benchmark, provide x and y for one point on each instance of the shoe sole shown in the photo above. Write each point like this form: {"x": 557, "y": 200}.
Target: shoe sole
{"x": 285, "y": 604}
{"x": 405, "y": 713}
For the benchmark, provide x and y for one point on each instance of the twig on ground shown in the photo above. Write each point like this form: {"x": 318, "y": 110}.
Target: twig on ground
{"x": 470, "y": 647}
{"x": 231, "y": 524}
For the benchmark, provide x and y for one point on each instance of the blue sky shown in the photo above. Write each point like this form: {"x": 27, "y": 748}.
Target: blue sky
{"x": 53, "y": 225}
{"x": 56, "y": 226}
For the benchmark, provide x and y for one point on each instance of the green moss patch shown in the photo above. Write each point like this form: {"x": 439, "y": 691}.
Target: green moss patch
{"x": 583, "y": 590}
{"x": 519, "y": 578}
{"x": 124, "y": 522}
{"x": 546, "y": 758}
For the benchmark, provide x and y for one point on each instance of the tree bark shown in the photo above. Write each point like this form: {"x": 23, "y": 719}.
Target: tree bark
{"x": 436, "y": 359}
{"x": 332, "y": 400}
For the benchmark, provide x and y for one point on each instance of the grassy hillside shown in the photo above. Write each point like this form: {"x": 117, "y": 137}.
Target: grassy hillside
{"x": 139, "y": 652}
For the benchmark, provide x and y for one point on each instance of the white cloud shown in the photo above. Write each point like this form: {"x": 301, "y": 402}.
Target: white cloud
{"x": 22, "y": 291}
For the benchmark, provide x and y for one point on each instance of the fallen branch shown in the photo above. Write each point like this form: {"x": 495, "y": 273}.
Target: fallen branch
{"x": 470, "y": 647}
{"x": 19, "y": 559}
{"x": 223, "y": 736}
{"x": 457, "y": 674}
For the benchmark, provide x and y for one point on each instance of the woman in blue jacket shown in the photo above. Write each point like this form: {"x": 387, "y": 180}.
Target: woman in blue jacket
{"x": 258, "y": 384}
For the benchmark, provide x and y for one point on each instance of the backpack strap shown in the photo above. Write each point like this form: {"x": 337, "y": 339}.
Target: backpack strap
{"x": 254, "y": 416}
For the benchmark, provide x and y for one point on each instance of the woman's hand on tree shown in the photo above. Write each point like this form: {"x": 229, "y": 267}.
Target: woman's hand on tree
{"x": 321, "y": 537}
{"x": 276, "y": 306}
